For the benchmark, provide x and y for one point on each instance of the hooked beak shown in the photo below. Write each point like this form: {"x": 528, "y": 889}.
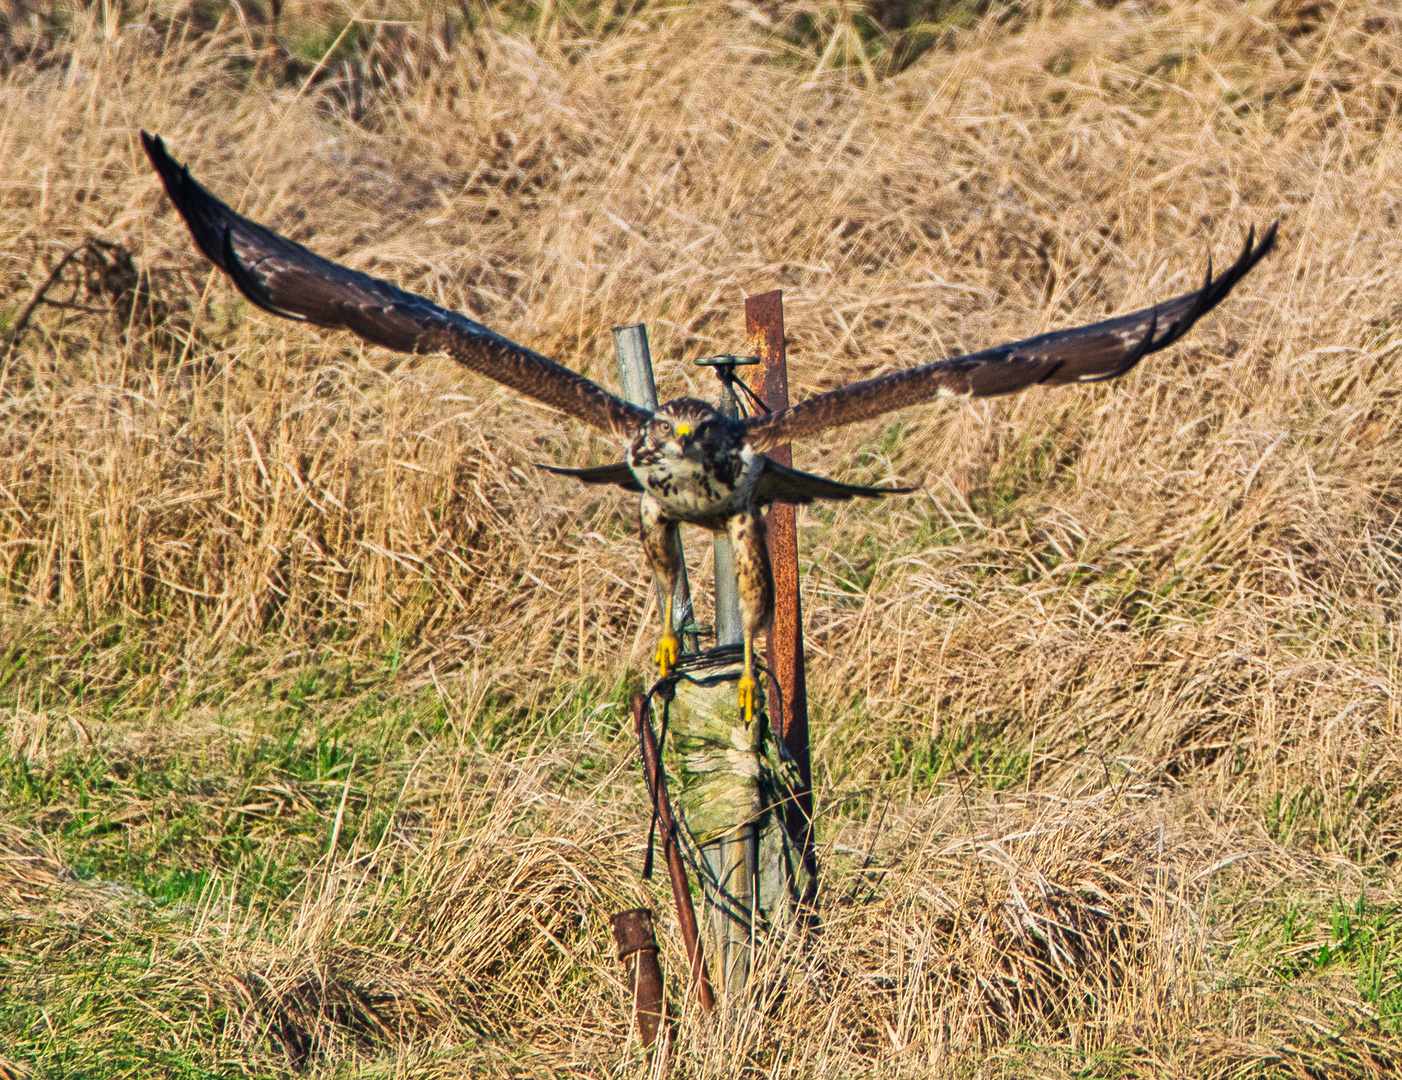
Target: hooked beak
{"x": 682, "y": 433}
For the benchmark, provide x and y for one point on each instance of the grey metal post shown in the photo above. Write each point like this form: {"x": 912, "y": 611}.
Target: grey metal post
{"x": 729, "y": 631}
{"x": 635, "y": 371}
{"x": 635, "y": 364}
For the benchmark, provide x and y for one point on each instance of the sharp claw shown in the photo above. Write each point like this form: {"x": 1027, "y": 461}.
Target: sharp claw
{"x": 747, "y": 691}
{"x": 668, "y": 649}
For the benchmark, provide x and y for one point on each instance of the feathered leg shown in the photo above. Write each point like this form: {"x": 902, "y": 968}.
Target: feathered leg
{"x": 662, "y": 540}
{"x": 756, "y": 581}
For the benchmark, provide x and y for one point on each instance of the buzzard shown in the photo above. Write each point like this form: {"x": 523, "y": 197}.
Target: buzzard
{"x": 689, "y": 462}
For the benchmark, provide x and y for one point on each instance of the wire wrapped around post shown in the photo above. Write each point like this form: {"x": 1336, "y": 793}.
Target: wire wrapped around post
{"x": 671, "y": 850}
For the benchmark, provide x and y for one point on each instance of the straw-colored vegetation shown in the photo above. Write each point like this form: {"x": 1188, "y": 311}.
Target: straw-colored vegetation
{"x": 314, "y": 760}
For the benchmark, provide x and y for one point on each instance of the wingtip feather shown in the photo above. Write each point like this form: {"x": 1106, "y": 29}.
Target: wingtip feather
{"x": 1216, "y": 289}
{"x": 200, "y": 209}
{"x": 171, "y": 172}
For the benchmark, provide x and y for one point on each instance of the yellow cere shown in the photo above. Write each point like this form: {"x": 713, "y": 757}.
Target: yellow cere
{"x": 683, "y": 429}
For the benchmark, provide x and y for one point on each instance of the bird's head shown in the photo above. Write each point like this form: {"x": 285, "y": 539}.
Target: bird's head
{"x": 680, "y": 428}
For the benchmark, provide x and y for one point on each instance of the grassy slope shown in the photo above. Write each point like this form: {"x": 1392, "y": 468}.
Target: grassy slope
{"x": 314, "y": 758}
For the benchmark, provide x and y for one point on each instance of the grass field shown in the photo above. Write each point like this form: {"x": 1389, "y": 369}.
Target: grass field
{"x": 315, "y": 760}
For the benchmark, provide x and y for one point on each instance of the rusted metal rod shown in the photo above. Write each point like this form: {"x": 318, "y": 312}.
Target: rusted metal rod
{"x": 764, "y": 326}
{"x": 764, "y": 329}
{"x": 637, "y": 951}
{"x": 671, "y": 849}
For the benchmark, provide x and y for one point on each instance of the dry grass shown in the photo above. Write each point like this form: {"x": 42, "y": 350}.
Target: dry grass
{"x": 315, "y": 760}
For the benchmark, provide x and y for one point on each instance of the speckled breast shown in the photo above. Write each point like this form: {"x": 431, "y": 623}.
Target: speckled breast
{"x": 696, "y": 489}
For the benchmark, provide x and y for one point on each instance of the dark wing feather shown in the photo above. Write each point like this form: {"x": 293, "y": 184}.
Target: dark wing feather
{"x": 777, "y": 484}
{"x": 780, "y": 484}
{"x": 1084, "y": 354}
{"x": 288, "y": 280}
{"x": 618, "y": 474}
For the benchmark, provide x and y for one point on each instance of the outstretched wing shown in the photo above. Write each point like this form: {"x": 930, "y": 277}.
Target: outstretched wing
{"x": 617, "y": 474}
{"x": 1084, "y": 354}
{"x": 781, "y": 484}
{"x": 288, "y": 280}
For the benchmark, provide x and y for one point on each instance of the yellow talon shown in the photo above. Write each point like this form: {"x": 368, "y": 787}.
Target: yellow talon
{"x": 668, "y": 649}
{"x": 748, "y": 691}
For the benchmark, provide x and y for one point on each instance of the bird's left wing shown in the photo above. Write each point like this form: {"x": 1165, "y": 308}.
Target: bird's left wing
{"x": 781, "y": 484}
{"x": 1084, "y": 354}
{"x": 286, "y": 279}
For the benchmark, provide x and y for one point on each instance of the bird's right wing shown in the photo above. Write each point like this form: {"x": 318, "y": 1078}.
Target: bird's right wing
{"x": 618, "y": 474}
{"x": 1083, "y": 354}
{"x": 286, "y": 279}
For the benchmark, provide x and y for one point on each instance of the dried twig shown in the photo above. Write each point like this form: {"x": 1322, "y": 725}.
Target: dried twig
{"x": 37, "y": 298}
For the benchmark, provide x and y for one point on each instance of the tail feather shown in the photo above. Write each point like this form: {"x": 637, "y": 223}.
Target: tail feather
{"x": 777, "y": 484}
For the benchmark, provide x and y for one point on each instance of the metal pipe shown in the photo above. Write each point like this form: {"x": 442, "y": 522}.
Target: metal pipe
{"x": 729, "y": 629}
{"x": 671, "y": 849}
{"x": 637, "y": 951}
{"x": 635, "y": 365}
{"x": 639, "y": 387}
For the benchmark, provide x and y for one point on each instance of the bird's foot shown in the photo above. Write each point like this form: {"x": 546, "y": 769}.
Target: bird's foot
{"x": 747, "y": 691}
{"x": 668, "y": 649}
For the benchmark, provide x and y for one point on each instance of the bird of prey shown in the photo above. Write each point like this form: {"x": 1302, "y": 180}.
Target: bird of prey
{"x": 690, "y": 462}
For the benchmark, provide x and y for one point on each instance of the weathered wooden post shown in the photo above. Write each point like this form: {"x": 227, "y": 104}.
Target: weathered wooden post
{"x": 730, "y": 885}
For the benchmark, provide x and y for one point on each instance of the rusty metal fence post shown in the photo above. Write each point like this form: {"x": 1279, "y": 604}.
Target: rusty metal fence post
{"x": 764, "y": 329}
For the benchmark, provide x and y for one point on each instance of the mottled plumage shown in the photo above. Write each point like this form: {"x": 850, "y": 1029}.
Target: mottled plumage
{"x": 690, "y": 463}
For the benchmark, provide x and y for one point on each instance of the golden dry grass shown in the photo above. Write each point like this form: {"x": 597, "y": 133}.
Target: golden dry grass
{"x": 315, "y": 760}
